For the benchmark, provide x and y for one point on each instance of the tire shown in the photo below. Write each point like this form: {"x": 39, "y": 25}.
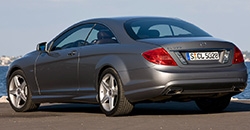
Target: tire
{"x": 213, "y": 105}
{"x": 19, "y": 93}
{"x": 111, "y": 95}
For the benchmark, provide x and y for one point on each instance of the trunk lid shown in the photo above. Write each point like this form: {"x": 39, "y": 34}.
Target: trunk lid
{"x": 197, "y": 52}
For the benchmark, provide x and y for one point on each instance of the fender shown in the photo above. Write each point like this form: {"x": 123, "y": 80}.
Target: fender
{"x": 114, "y": 62}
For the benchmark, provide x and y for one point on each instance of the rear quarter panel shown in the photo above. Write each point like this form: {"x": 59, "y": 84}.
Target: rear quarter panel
{"x": 121, "y": 57}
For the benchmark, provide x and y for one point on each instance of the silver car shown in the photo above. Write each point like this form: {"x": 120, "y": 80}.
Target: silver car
{"x": 118, "y": 62}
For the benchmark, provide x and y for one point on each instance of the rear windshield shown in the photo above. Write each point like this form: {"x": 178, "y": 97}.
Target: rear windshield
{"x": 161, "y": 28}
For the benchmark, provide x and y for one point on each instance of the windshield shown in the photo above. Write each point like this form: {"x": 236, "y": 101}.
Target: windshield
{"x": 162, "y": 27}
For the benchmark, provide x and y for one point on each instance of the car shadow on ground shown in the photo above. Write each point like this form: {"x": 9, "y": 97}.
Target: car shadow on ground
{"x": 70, "y": 107}
{"x": 169, "y": 108}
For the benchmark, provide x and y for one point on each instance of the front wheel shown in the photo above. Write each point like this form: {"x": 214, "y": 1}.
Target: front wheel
{"x": 19, "y": 93}
{"x": 213, "y": 105}
{"x": 111, "y": 96}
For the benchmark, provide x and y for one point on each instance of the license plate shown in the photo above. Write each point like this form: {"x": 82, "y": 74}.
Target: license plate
{"x": 202, "y": 56}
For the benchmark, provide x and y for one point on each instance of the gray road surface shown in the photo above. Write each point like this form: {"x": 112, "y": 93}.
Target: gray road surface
{"x": 157, "y": 116}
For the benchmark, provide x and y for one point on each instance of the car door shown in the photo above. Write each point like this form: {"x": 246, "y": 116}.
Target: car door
{"x": 57, "y": 70}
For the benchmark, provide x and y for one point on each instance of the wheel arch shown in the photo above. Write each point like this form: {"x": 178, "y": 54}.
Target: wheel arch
{"x": 114, "y": 62}
{"x": 12, "y": 70}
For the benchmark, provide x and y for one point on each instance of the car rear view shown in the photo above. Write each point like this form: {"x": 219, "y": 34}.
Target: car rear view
{"x": 190, "y": 63}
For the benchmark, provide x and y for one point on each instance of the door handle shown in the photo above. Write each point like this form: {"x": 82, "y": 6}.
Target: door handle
{"x": 72, "y": 53}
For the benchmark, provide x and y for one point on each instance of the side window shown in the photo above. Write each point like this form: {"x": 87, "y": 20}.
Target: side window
{"x": 101, "y": 34}
{"x": 73, "y": 38}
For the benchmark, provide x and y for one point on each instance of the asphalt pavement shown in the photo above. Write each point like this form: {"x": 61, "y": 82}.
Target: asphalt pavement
{"x": 152, "y": 116}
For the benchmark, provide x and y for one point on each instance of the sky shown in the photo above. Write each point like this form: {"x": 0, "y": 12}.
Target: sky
{"x": 25, "y": 23}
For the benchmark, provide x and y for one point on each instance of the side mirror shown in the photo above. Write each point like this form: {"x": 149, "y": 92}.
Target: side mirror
{"x": 41, "y": 46}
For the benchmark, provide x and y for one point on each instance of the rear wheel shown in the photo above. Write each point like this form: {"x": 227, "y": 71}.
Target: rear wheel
{"x": 111, "y": 96}
{"x": 213, "y": 105}
{"x": 19, "y": 93}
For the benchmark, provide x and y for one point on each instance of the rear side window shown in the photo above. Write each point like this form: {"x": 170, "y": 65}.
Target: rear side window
{"x": 162, "y": 27}
{"x": 86, "y": 34}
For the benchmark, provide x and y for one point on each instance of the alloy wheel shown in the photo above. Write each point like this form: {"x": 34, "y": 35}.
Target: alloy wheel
{"x": 18, "y": 91}
{"x": 108, "y": 92}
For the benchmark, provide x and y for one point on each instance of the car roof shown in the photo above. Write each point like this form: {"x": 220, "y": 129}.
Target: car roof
{"x": 123, "y": 19}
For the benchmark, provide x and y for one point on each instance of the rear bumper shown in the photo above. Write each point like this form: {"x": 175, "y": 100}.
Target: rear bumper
{"x": 150, "y": 83}
{"x": 205, "y": 86}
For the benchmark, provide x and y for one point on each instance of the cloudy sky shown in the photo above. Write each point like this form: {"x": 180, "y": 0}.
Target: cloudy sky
{"x": 24, "y": 23}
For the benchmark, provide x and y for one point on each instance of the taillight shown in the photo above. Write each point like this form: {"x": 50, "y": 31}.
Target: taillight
{"x": 159, "y": 56}
{"x": 238, "y": 57}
